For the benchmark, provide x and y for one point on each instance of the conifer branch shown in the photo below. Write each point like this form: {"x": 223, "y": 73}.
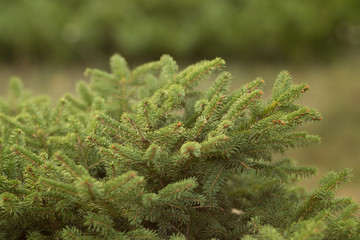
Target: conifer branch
{"x": 60, "y": 111}
{"x": 80, "y": 146}
{"x": 29, "y": 156}
{"x": 67, "y": 188}
{"x": 16, "y": 124}
{"x": 209, "y": 147}
{"x": 107, "y": 123}
{"x": 101, "y": 149}
{"x": 242, "y": 163}
{"x": 138, "y": 183}
{"x": 121, "y": 133}
{"x": 137, "y": 128}
{"x": 145, "y": 68}
{"x": 118, "y": 162}
{"x": 75, "y": 170}
{"x": 209, "y": 111}
{"x": 240, "y": 105}
{"x": 147, "y": 115}
{"x": 152, "y": 154}
{"x": 219, "y": 86}
{"x": 216, "y": 178}
{"x": 190, "y": 76}
{"x": 120, "y": 180}
{"x": 328, "y": 186}
{"x": 126, "y": 153}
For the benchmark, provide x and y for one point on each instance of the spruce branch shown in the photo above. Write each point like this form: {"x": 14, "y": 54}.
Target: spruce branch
{"x": 144, "y": 69}
{"x": 119, "y": 66}
{"x": 325, "y": 194}
{"x": 191, "y": 75}
{"x": 139, "y": 154}
{"x": 64, "y": 187}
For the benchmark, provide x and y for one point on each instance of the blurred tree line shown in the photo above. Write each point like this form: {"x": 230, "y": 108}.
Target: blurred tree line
{"x": 69, "y": 30}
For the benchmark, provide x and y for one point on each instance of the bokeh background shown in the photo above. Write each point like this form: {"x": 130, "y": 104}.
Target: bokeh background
{"x": 50, "y": 43}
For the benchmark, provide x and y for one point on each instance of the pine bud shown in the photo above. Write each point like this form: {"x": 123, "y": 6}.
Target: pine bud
{"x": 305, "y": 89}
{"x": 191, "y": 148}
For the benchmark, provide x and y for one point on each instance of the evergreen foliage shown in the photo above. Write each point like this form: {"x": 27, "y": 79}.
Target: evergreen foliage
{"x": 142, "y": 154}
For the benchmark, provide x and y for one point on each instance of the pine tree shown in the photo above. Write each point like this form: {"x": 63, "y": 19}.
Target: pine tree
{"x": 141, "y": 154}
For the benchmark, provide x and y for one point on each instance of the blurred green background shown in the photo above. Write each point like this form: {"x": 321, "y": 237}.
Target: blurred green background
{"x": 50, "y": 43}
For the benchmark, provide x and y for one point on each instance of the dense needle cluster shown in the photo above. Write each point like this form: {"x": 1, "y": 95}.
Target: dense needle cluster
{"x": 141, "y": 154}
